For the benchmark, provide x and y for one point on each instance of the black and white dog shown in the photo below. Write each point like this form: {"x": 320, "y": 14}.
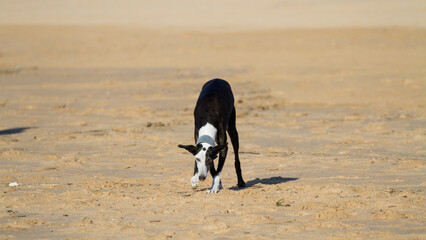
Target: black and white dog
{"x": 214, "y": 114}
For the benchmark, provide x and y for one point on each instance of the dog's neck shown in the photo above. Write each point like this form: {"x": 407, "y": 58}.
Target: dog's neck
{"x": 207, "y": 134}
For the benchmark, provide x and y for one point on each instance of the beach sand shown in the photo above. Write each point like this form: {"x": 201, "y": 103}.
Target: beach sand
{"x": 332, "y": 126}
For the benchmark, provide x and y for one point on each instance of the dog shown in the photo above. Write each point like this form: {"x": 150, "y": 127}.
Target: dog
{"x": 214, "y": 115}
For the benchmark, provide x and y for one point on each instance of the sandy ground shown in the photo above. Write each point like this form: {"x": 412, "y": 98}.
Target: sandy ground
{"x": 332, "y": 125}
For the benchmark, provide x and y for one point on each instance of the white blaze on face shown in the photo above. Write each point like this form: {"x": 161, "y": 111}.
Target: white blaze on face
{"x": 200, "y": 159}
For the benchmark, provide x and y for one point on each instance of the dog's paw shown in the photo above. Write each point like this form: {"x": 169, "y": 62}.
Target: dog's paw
{"x": 194, "y": 181}
{"x": 241, "y": 184}
{"x": 213, "y": 190}
{"x": 216, "y": 186}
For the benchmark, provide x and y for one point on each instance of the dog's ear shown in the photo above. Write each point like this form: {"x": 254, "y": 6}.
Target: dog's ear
{"x": 190, "y": 148}
{"x": 215, "y": 150}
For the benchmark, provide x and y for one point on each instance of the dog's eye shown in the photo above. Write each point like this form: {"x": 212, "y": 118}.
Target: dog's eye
{"x": 204, "y": 149}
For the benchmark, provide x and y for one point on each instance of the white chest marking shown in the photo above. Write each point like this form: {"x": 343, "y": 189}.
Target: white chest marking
{"x": 208, "y": 130}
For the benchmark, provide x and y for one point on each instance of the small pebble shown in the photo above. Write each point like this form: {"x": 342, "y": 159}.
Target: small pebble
{"x": 13, "y": 184}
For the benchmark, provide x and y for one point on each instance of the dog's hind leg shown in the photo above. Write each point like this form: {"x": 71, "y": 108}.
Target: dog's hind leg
{"x": 233, "y": 134}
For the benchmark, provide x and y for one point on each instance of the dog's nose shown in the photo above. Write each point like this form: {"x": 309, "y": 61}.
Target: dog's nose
{"x": 202, "y": 178}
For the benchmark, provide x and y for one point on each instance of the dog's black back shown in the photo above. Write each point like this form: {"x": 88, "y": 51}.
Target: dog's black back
{"x": 214, "y": 105}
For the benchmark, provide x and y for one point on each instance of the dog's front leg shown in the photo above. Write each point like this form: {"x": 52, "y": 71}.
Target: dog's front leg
{"x": 216, "y": 177}
{"x": 196, "y": 178}
{"x": 216, "y": 184}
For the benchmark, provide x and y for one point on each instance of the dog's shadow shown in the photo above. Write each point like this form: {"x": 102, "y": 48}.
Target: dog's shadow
{"x": 267, "y": 181}
{"x": 11, "y": 131}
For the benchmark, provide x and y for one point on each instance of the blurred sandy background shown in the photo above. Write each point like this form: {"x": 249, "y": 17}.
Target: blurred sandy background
{"x": 96, "y": 95}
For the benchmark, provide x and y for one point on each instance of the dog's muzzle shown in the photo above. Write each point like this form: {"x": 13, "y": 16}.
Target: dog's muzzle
{"x": 202, "y": 178}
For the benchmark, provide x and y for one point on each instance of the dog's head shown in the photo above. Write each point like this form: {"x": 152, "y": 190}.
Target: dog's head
{"x": 204, "y": 155}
